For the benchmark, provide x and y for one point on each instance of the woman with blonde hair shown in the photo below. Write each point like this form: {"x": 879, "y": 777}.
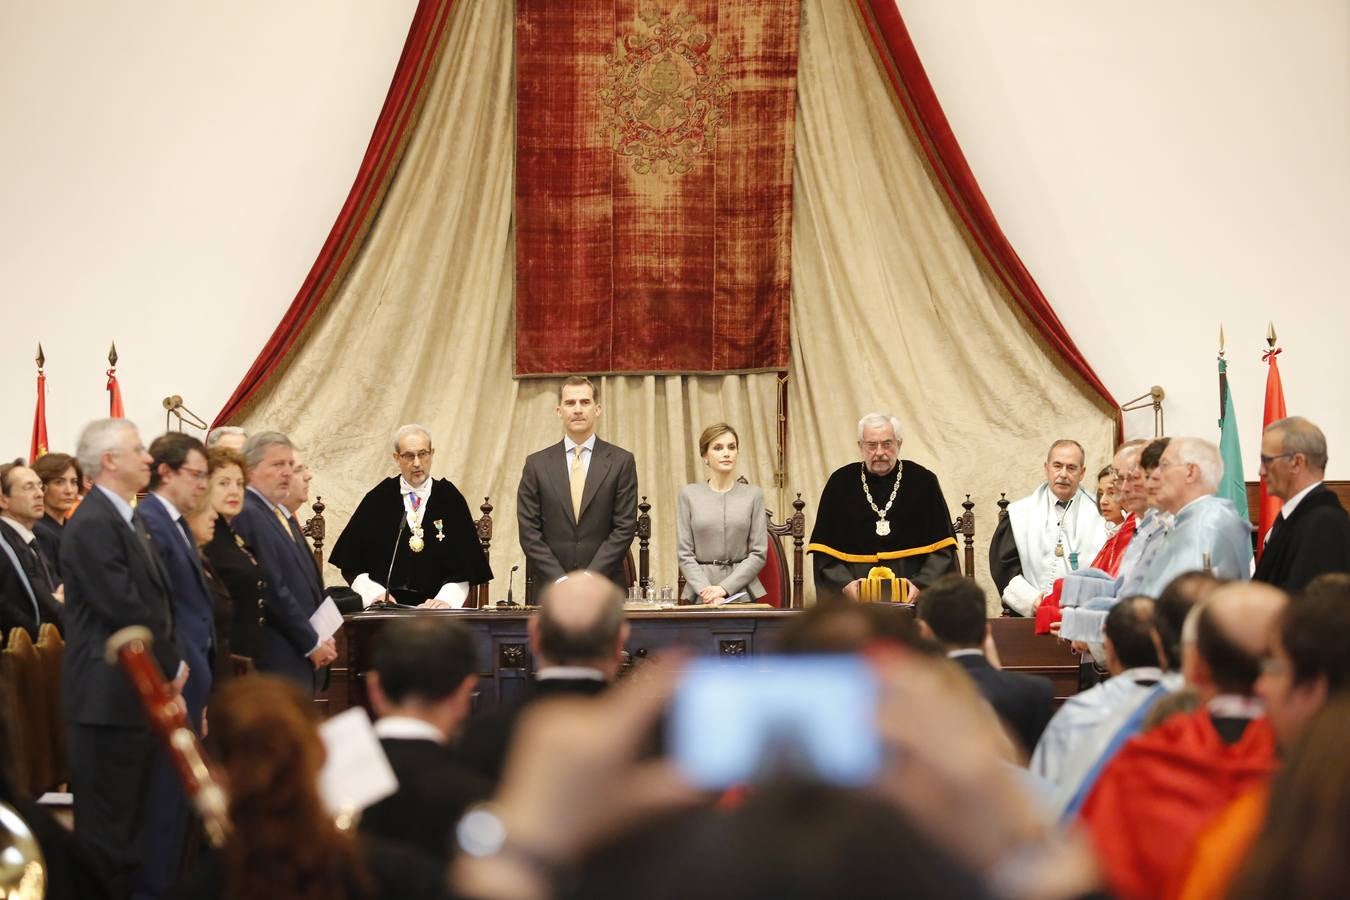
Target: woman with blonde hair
{"x": 722, "y": 533}
{"x": 283, "y": 843}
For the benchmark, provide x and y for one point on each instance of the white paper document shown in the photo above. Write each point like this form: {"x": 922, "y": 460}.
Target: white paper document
{"x": 738, "y": 597}
{"x": 326, "y": 619}
{"x": 356, "y": 773}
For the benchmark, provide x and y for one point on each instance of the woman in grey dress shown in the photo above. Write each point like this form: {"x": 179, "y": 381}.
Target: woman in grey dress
{"x": 722, "y": 532}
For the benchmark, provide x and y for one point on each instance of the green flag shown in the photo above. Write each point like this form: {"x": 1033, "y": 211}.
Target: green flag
{"x": 1234, "y": 485}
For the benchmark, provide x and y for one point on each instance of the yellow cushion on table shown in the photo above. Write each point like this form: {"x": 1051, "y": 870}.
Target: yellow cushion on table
{"x": 881, "y": 586}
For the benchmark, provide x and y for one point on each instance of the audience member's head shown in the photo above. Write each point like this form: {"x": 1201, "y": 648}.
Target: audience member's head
{"x": 838, "y": 625}
{"x": 1300, "y": 851}
{"x": 1065, "y": 466}
{"x": 201, "y": 519}
{"x": 1309, "y": 659}
{"x": 178, "y": 469}
{"x": 580, "y": 623}
{"x": 787, "y": 841}
{"x": 1178, "y": 598}
{"x": 1293, "y": 456}
{"x": 424, "y": 668}
{"x": 952, "y": 612}
{"x": 271, "y": 461}
{"x": 413, "y": 453}
{"x": 225, "y": 468}
{"x": 1190, "y": 468}
{"x": 1107, "y": 503}
{"x": 231, "y": 437}
{"x": 298, "y": 494}
{"x": 1149, "y": 458}
{"x": 284, "y": 843}
{"x": 112, "y": 456}
{"x": 61, "y": 477}
{"x": 20, "y": 493}
{"x": 1131, "y": 638}
{"x": 1226, "y": 637}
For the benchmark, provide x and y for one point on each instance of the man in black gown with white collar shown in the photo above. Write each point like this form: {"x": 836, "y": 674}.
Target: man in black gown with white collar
{"x": 412, "y": 539}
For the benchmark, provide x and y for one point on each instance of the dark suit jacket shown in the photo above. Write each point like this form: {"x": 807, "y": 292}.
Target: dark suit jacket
{"x": 487, "y": 737}
{"x": 48, "y": 533}
{"x": 243, "y": 576}
{"x": 292, "y": 593}
{"x": 193, "y": 615}
{"x": 434, "y": 790}
{"x": 113, "y": 579}
{"x": 1313, "y": 540}
{"x": 1024, "y": 702}
{"x": 21, "y": 589}
{"x": 554, "y": 541}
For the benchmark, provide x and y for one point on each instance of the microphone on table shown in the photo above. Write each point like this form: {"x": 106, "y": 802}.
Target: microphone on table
{"x": 511, "y": 586}
{"x": 389, "y": 600}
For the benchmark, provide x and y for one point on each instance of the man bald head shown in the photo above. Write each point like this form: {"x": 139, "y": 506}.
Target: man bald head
{"x": 580, "y": 623}
{"x": 1227, "y": 636}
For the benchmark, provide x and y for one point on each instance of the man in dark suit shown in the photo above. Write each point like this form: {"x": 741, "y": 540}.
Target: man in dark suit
{"x": 421, "y": 681}
{"x": 1311, "y": 535}
{"x": 577, "y": 501}
{"x": 951, "y": 612}
{"x": 576, "y": 641}
{"x": 29, "y": 594}
{"x": 291, "y": 647}
{"x": 177, "y": 483}
{"x": 113, "y": 579}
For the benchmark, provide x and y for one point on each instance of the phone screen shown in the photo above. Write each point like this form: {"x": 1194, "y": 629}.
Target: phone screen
{"x": 744, "y": 720}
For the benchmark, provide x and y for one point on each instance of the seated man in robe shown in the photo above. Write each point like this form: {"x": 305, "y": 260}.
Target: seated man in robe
{"x": 1167, "y": 785}
{"x": 411, "y": 539}
{"x": 1053, "y": 531}
{"x": 1128, "y": 495}
{"x": 1308, "y": 667}
{"x": 882, "y": 511}
{"x": 1131, "y": 657}
{"x": 1311, "y": 535}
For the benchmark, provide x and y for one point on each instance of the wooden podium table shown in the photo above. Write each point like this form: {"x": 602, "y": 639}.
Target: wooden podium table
{"x": 505, "y": 664}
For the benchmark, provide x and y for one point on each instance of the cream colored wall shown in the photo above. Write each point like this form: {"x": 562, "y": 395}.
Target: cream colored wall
{"x": 168, "y": 173}
{"x": 1163, "y": 167}
{"x": 167, "y": 176}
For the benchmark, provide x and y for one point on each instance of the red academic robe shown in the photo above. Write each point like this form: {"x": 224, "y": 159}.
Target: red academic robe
{"x": 1108, "y": 559}
{"x": 1161, "y": 791}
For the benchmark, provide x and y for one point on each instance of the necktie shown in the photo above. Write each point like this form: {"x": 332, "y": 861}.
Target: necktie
{"x": 578, "y": 483}
{"x": 40, "y": 569}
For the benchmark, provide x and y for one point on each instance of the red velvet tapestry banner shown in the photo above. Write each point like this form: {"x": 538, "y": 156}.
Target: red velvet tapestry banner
{"x": 654, "y": 185}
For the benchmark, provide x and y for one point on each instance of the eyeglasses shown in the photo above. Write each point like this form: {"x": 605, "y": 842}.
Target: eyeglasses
{"x": 1168, "y": 463}
{"x": 197, "y": 474}
{"x": 874, "y": 446}
{"x": 1267, "y": 460}
{"x": 420, "y": 456}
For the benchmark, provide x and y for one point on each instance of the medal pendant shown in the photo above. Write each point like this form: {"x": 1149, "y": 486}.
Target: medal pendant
{"x": 1059, "y": 549}
{"x": 415, "y": 543}
{"x": 440, "y": 534}
{"x": 883, "y": 527}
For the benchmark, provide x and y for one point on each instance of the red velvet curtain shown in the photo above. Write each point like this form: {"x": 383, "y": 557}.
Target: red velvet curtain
{"x": 915, "y": 96}
{"x": 398, "y": 116}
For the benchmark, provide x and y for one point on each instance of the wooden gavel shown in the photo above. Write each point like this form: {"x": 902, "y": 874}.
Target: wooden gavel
{"x": 129, "y": 648}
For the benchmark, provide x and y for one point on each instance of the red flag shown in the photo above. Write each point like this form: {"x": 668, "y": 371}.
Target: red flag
{"x": 1270, "y": 506}
{"x": 115, "y": 396}
{"x": 39, "y": 445}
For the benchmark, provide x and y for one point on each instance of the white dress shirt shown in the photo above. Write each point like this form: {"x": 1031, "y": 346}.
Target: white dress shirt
{"x": 570, "y": 446}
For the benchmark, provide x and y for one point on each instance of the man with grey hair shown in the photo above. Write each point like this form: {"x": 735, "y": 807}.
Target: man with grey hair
{"x": 412, "y": 539}
{"x": 291, "y": 646}
{"x": 1206, "y": 534}
{"x": 881, "y": 511}
{"x": 128, "y": 812}
{"x": 1055, "y": 530}
{"x": 577, "y": 640}
{"x": 231, "y": 436}
{"x": 1311, "y": 535}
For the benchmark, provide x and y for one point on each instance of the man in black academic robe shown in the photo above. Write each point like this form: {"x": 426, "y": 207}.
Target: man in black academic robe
{"x": 882, "y": 511}
{"x": 412, "y": 536}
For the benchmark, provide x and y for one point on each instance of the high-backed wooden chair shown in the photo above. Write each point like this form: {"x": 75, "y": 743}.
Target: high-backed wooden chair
{"x": 50, "y": 650}
{"x": 964, "y": 526}
{"x": 31, "y": 724}
{"x": 316, "y": 529}
{"x": 478, "y": 593}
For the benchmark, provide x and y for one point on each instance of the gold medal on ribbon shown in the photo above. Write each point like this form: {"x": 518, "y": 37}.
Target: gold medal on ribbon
{"x": 415, "y": 543}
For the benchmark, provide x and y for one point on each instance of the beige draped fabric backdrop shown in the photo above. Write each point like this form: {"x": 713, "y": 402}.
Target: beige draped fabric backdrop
{"x": 890, "y": 311}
